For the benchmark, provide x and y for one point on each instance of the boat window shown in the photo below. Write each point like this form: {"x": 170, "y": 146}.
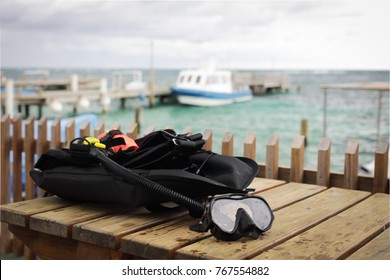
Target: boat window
{"x": 182, "y": 79}
{"x": 198, "y": 79}
{"x": 212, "y": 80}
{"x": 189, "y": 78}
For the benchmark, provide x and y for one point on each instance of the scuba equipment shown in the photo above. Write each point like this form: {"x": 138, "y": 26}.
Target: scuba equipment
{"x": 230, "y": 217}
{"x": 195, "y": 208}
{"x": 116, "y": 140}
{"x": 164, "y": 166}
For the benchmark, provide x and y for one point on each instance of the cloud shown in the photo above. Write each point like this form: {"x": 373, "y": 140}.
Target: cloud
{"x": 256, "y": 34}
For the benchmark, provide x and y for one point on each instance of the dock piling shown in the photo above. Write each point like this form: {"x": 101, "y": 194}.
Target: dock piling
{"x": 304, "y": 129}
{"x": 10, "y": 96}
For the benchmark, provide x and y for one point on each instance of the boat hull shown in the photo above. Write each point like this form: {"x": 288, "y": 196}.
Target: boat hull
{"x": 208, "y": 98}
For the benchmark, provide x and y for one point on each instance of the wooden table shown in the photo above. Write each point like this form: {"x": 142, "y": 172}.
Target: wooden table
{"x": 311, "y": 222}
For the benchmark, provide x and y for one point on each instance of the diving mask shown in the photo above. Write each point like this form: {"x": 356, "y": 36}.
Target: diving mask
{"x": 238, "y": 215}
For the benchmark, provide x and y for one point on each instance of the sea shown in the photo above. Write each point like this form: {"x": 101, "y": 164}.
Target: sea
{"x": 351, "y": 114}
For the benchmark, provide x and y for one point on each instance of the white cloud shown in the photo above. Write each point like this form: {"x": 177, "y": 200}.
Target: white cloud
{"x": 248, "y": 34}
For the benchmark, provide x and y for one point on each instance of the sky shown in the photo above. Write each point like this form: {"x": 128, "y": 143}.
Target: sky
{"x": 304, "y": 34}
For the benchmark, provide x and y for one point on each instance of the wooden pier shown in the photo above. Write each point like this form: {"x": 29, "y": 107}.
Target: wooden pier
{"x": 263, "y": 83}
{"x": 74, "y": 91}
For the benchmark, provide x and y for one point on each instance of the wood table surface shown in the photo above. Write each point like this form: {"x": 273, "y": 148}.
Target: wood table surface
{"x": 311, "y": 222}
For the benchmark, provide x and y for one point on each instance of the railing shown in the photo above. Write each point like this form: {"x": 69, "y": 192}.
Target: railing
{"x": 29, "y": 146}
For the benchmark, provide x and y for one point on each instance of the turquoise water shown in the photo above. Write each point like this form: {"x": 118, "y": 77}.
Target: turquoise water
{"x": 351, "y": 114}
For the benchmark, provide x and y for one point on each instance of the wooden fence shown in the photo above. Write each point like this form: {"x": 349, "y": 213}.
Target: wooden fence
{"x": 32, "y": 146}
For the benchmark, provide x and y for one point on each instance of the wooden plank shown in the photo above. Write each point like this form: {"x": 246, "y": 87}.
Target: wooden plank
{"x": 55, "y": 142}
{"x": 42, "y": 144}
{"x": 289, "y": 221}
{"x": 46, "y": 246}
{"x": 17, "y": 150}
{"x": 381, "y": 168}
{"x": 162, "y": 241}
{"x": 29, "y": 150}
{"x": 19, "y": 213}
{"x": 69, "y": 132}
{"x": 228, "y": 144}
{"x": 297, "y": 159}
{"x": 250, "y": 146}
{"x": 376, "y": 249}
{"x": 351, "y": 165}
{"x": 107, "y": 231}
{"x": 290, "y": 193}
{"x": 85, "y": 129}
{"x": 59, "y": 222}
{"x": 323, "y": 162}
{"x": 340, "y": 235}
{"x": 262, "y": 184}
{"x": 5, "y": 159}
{"x": 359, "y": 86}
{"x": 86, "y": 251}
{"x": 5, "y": 246}
{"x": 208, "y": 138}
{"x": 272, "y": 157}
{"x": 98, "y": 129}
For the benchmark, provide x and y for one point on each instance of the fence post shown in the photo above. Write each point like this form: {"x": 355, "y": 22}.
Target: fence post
{"x": 29, "y": 150}
{"x": 69, "y": 132}
{"x": 250, "y": 146}
{"x": 187, "y": 131}
{"x": 304, "y": 129}
{"x": 55, "y": 142}
{"x": 297, "y": 159}
{"x": 5, "y": 246}
{"x": 9, "y": 97}
{"x": 323, "y": 162}
{"x": 85, "y": 129}
{"x": 272, "y": 157}
{"x": 17, "y": 150}
{"x": 208, "y": 138}
{"x": 149, "y": 129}
{"x": 42, "y": 143}
{"x": 351, "y": 165}
{"x": 227, "y": 144}
{"x": 132, "y": 131}
{"x": 98, "y": 129}
{"x": 116, "y": 125}
{"x": 381, "y": 168}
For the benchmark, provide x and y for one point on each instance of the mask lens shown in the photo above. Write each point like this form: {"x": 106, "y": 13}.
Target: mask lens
{"x": 262, "y": 213}
{"x": 224, "y": 210}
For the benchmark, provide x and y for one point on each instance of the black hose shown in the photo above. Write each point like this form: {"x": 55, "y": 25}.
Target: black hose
{"x": 195, "y": 208}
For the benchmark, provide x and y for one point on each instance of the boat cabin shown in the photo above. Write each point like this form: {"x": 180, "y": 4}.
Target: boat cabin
{"x": 203, "y": 80}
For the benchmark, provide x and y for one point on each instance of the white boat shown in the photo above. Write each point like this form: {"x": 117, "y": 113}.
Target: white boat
{"x": 136, "y": 83}
{"x": 208, "y": 86}
{"x": 128, "y": 80}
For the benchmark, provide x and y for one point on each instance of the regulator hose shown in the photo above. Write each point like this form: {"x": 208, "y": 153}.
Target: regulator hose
{"x": 195, "y": 208}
